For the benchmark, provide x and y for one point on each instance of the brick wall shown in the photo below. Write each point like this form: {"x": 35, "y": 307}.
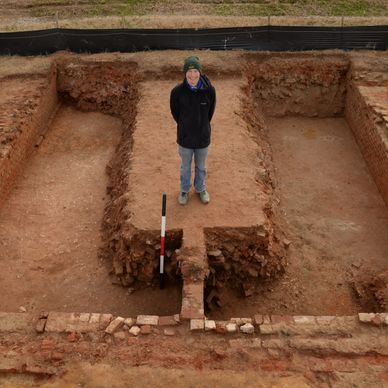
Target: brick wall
{"x": 367, "y": 114}
{"x": 36, "y": 116}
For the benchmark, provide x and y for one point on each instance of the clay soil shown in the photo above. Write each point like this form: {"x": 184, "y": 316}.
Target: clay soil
{"x": 50, "y": 234}
{"x": 50, "y": 226}
{"x": 336, "y": 219}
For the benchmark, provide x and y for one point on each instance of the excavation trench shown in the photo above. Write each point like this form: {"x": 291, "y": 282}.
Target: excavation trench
{"x": 52, "y": 254}
{"x": 297, "y": 211}
{"x": 327, "y": 185}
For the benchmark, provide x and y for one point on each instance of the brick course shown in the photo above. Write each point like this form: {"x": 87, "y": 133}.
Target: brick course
{"x": 366, "y": 111}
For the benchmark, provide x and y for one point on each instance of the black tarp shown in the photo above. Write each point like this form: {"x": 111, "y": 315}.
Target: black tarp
{"x": 263, "y": 38}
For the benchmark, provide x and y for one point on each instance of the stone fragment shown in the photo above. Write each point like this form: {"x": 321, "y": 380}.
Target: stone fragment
{"x": 94, "y": 318}
{"x": 129, "y": 322}
{"x": 168, "y": 331}
{"x": 304, "y": 319}
{"x": 266, "y": 329}
{"x": 241, "y": 321}
{"x": 253, "y": 272}
{"x": 247, "y": 328}
{"x": 325, "y": 319}
{"x": 58, "y": 322}
{"x": 177, "y": 318}
{"x": 197, "y": 324}
{"x": 266, "y": 319}
{"x": 104, "y": 320}
{"x": 258, "y": 319}
{"x": 134, "y": 330}
{"x": 249, "y": 289}
{"x": 167, "y": 321}
{"x": 114, "y": 325}
{"x": 214, "y": 253}
{"x": 145, "y": 329}
{"x": 147, "y": 320}
{"x": 210, "y": 325}
{"x": 261, "y": 231}
{"x": 231, "y": 327}
{"x": 286, "y": 243}
{"x": 40, "y": 325}
{"x": 84, "y": 317}
{"x": 22, "y": 309}
{"x": 366, "y": 317}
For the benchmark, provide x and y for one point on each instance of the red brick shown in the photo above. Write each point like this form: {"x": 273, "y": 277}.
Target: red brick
{"x": 221, "y": 327}
{"x": 167, "y": 321}
{"x": 274, "y": 365}
{"x": 47, "y": 344}
{"x": 287, "y": 319}
{"x": 145, "y": 329}
{"x": 56, "y": 356}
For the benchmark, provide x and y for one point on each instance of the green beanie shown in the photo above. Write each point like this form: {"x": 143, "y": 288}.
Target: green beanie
{"x": 192, "y": 63}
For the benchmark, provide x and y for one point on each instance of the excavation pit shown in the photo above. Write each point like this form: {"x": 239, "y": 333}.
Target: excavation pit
{"x": 286, "y": 136}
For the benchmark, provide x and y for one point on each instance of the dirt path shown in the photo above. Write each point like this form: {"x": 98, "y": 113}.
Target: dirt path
{"x": 50, "y": 226}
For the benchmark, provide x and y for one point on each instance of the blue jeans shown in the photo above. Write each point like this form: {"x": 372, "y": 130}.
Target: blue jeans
{"x": 200, "y": 155}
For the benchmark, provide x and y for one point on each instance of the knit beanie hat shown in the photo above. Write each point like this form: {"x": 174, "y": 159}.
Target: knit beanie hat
{"x": 192, "y": 63}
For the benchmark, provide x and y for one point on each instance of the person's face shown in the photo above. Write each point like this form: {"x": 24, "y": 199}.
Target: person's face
{"x": 192, "y": 77}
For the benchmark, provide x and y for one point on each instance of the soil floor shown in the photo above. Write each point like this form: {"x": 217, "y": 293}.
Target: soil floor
{"x": 50, "y": 227}
{"x": 336, "y": 220}
{"x": 234, "y": 197}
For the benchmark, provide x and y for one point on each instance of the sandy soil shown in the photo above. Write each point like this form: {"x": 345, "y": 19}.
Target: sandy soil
{"x": 49, "y": 227}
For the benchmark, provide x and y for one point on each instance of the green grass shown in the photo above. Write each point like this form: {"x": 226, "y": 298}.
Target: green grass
{"x": 356, "y": 8}
{"x": 80, "y": 8}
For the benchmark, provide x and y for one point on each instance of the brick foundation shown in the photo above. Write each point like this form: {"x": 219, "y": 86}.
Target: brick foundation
{"x": 367, "y": 114}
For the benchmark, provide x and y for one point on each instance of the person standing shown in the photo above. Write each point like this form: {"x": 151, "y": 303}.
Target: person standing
{"x": 192, "y": 104}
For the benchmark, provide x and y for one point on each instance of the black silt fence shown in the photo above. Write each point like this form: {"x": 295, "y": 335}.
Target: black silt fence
{"x": 263, "y": 38}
